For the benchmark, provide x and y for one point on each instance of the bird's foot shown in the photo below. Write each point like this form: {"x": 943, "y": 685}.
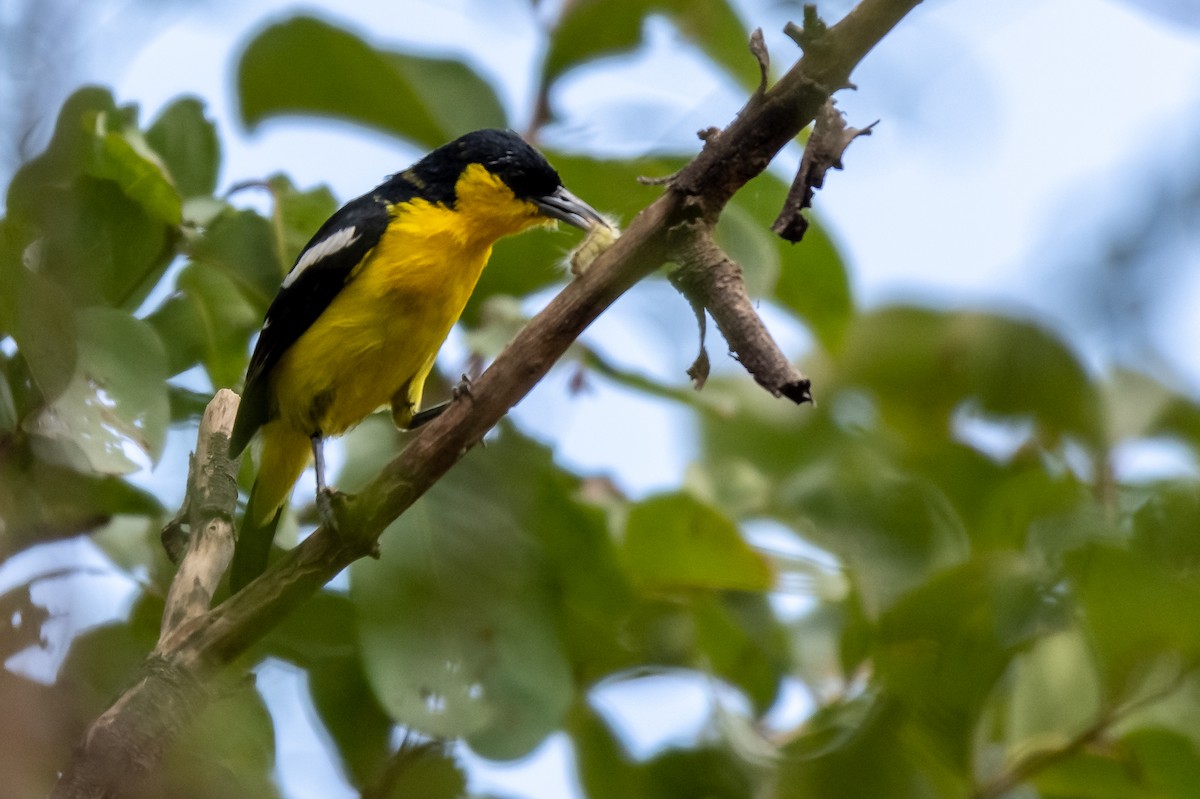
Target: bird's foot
{"x": 332, "y": 506}
{"x": 462, "y": 388}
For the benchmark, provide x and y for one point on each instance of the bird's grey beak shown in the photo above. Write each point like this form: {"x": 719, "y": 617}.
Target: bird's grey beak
{"x": 566, "y": 207}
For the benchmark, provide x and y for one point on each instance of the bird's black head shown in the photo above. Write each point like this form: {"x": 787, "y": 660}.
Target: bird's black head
{"x": 503, "y": 153}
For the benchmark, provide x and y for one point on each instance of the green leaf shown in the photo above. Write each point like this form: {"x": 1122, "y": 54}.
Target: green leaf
{"x": 298, "y": 215}
{"x": 1055, "y": 692}
{"x": 751, "y": 246}
{"x": 360, "y": 728}
{"x": 41, "y": 501}
{"x": 208, "y": 320}
{"x": 118, "y": 396}
{"x": 331, "y": 72}
{"x": 320, "y": 638}
{"x": 463, "y": 621}
{"x": 1181, "y": 419}
{"x": 242, "y": 245}
{"x": 8, "y": 404}
{"x": 1164, "y": 528}
{"x": 922, "y": 365}
{"x": 228, "y": 750}
{"x": 427, "y": 770}
{"x": 120, "y": 154}
{"x": 45, "y": 331}
{"x": 186, "y": 140}
{"x": 607, "y": 771}
{"x": 741, "y": 641}
{"x": 674, "y": 541}
{"x": 1096, "y": 775}
{"x": 100, "y": 203}
{"x": 592, "y": 29}
{"x": 863, "y": 749}
{"x": 1170, "y": 762}
{"x": 1146, "y": 763}
{"x": 813, "y": 284}
{"x": 1140, "y": 617}
{"x": 941, "y": 649}
{"x": 890, "y": 530}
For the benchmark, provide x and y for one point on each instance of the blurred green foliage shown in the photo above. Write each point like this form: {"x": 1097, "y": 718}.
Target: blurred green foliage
{"x": 983, "y": 618}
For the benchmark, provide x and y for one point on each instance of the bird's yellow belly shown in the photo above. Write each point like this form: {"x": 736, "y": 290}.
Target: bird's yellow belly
{"x": 378, "y": 337}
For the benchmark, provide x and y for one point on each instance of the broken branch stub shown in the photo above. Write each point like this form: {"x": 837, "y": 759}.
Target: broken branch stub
{"x": 829, "y": 140}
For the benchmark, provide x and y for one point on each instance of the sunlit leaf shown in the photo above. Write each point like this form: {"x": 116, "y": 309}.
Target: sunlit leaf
{"x": 674, "y": 541}
{"x": 594, "y": 28}
{"x": 1140, "y": 617}
{"x": 1055, "y": 693}
{"x": 186, "y": 140}
{"x": 463, "y": 621}
{"x": 112, "y": 401}
{"x": 104, "y": 209}
{"x": 306, "y": 66}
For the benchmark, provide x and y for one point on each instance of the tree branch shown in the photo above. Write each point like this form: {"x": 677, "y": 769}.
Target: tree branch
{"x": 210, "y": 505}
{"x": 710, "y": 279}
{"x": 190, "y": 654}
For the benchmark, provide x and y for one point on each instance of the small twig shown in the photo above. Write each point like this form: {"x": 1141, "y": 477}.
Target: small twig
{"x": 210, "y": 504}
{"x": 1034, "y": 762}
{"x": 829, "y": 140}
{"x": 710, "y": 279}
{"x": 758, "y": 48}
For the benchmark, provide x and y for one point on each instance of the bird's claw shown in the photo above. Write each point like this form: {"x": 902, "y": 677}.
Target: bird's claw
{"x": 462, "y": 388}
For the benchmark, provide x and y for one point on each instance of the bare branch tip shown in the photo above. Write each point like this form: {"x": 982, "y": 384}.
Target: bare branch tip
{"x": 758, "y": 48}
{"x": 809, "y": 35}
{"x": 798, "y": 391}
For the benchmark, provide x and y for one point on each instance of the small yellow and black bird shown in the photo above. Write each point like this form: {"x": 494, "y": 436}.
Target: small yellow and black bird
{"x": 359, "y": 319}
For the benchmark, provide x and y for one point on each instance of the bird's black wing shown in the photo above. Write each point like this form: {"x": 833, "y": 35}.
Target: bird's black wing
{"x": 322, "y": 269}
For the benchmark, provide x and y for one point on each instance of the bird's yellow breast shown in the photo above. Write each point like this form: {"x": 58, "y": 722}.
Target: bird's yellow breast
{"x": 382, "y": 332}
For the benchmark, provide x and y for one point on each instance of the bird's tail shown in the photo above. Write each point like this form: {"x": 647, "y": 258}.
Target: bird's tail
{"x": 285, "y": 454}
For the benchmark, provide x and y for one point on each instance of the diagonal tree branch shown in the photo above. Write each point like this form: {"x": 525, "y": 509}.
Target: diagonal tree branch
{"x": 191, "y": 653}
